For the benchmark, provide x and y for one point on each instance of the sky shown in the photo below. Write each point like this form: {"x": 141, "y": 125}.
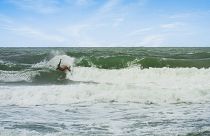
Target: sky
{"x": 105, "y": 23}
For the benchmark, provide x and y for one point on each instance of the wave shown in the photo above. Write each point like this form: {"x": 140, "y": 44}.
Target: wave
{"x": 9, "y": 66}
{"x": 121, "y": 77}
{"x": 107, "y": 58}
{"x": 150, "y": 93}
{"x": 153, "y": 85}
{"x": 107, "y": 69}
{"x": 119, "y": 62}
{"x": 45, "y": 72}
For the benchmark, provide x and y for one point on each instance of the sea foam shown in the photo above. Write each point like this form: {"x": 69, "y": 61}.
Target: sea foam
{"x": 163, "y": 85}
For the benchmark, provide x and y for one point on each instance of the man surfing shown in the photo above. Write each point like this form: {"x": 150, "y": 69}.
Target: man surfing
{"x": 63, "y": 68}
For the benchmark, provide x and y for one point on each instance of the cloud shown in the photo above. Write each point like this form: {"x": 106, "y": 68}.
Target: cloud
{"x": 24, "y": 30}
{"x": 39, "y": 6}
{"x": 75, "y": 31}
{"x": 96, "y": 23}
{"x": 85, "y": 33}
{"x": 140, "y": 31}
{"x": 180, "y": 16}
{"x": 99, "y": 28}
{"x": 174, "y": 25}
{"x": 38, "y": 34}
{"x": 27, "y": 31}
{"x": 153, "y": 40}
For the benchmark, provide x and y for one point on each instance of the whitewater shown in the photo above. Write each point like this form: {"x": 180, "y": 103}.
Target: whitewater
{"x": 153, "y": 94}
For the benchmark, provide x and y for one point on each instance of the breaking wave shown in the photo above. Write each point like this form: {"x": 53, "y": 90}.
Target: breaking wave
{"x": 112, "y": 78}
{"x": 154, "y": 85}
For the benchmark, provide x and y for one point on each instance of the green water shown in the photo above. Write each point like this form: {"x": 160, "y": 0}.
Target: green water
{"x": 108, "y": 58}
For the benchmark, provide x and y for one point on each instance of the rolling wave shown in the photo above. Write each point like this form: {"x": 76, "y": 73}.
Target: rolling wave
{"x": 43, "y": 72}
{"x": 107, "y": 69}
{"x": 119, "y": 62}
{"x": 121, "y": 77}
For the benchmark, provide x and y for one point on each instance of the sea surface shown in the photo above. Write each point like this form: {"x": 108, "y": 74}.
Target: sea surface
{"x": 110, "y": 91}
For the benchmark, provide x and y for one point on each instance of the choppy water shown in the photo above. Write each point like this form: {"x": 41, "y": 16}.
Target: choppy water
{"x": 110, "y": 91}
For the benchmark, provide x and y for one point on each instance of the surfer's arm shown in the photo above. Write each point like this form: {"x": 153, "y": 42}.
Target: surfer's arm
{"x": 59, "y": 63}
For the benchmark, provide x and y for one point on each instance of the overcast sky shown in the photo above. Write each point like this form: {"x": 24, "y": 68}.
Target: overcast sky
{"x": 104, "y": 23}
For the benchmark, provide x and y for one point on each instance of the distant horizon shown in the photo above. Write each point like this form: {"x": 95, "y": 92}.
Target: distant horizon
{"x": 104, "y": 23}
{"x": 104, "y": 46}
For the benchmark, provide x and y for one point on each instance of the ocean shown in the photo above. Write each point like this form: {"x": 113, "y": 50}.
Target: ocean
{"x": 109, "y": 91}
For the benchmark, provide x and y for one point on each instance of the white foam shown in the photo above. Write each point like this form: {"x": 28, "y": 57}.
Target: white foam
{"x": 135, "y": 85}
{"x": 53, "y": 62}
{"x": 22, "y": 132}
{"x": 42, "y": 64}
{"x": 14, "y": 76}
{"x": 66, "y": 60}
{"x": 136, "y": 75}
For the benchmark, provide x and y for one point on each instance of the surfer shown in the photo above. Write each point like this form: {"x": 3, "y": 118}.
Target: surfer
{"x": 63, "y": 68}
